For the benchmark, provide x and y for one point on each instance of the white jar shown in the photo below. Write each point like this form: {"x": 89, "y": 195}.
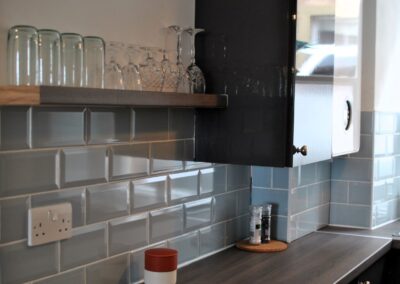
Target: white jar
{"x": 160, "y": 266}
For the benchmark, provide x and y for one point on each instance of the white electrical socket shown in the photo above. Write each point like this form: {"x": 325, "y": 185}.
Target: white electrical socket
{"x": 49, "y": 223}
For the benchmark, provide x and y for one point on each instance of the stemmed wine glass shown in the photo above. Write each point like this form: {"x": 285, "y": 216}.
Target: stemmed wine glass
{"x": 182, "y": 84}
{"x": 130, "y": 72}
{"x": 197, "y": 83}
{"x": 113, "y": 72}
{"x": 150, "y": 70}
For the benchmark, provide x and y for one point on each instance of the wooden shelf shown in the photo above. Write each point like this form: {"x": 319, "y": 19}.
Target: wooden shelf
{"x": 55, "y": 95}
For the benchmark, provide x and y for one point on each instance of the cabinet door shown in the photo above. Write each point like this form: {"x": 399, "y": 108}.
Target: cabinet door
{"x": 247, "y": 52}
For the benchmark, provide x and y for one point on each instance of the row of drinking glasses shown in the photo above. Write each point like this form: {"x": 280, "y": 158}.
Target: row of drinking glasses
{"x": 46, "y": 57}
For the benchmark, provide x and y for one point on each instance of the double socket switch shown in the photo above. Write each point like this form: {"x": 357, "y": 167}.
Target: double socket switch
{"x": 49, "y": 223}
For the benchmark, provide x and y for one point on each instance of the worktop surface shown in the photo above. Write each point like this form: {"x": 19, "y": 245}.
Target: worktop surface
{"x": 332, "y": 255}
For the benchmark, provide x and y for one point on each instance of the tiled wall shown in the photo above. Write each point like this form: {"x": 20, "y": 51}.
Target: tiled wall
{"x": 366, "y": 185}
{"x": 129, "y": 176}
{"x": 300, "y": 198}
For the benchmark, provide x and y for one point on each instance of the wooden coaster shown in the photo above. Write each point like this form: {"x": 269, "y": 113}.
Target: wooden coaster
{"x": 272, "y": 246}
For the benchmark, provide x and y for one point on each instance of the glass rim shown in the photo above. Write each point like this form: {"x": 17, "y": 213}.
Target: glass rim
{"x": 23, "y": 27}
{"x": 48, "y": 30}
{"x": 71, "y": 34}
{"x": 94, "y": 38}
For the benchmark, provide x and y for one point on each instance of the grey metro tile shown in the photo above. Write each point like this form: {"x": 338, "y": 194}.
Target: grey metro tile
{"x": 109, "y": 125}
{"x": 323, "y": 171}
{"x": 83, "y": 166}
{"x": 212, "y": 238}
{"x": 187, "y": 246}
{"x": 166, "y": 223}
{"x": 350, "y": 215}
{"x": 167, "y": 156}
{"x": 128, "y": 161}
{"x": 243, "y": 201}
{"x": 319, "y": 194}
{"x": 14, "y": 270}
{"x": 352, "y": 169}
{"x": 128, "y": 233}
{"x": 360, "y": 193}
{"x": 13, "y": 219}
{"x": 278, "y": 198}
{"x": 298, "y": 200}
{"x": 238, "y": 177}
{"x": 14, "y": 128}
{"x": 38, "y": 168}
{"x": 366, "y": 147}
{"x": 114, "y": 270}
{"x": 339, "y": 191}
{"x": 74, "y": 196}
{"x": 237, "y": 229}
{"x": 150, "y": 124}
{"x": 74, "y": 276}
{"x": 224, "y": 207}
{"x": 213, "y": 180}
{"x": 308, "y": 174}
{"x": 89, "y": 239}
{"x": 107, "y": 201}
{"x": 198, "y": 213}
{"x": 183, "y": 186}
{"x": 149, "y": 193}
{"x": 181, "y": 123}
{"x": 55, "y": 126}
{"x": 280, "y": 178}
{"x": 367, "y": 122}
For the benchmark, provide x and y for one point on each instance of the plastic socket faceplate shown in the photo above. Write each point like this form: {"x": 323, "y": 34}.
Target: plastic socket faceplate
{"x": 49, "y": 223}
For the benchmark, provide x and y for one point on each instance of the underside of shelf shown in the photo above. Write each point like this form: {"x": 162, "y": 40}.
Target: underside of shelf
{"x": 55, "y": 95}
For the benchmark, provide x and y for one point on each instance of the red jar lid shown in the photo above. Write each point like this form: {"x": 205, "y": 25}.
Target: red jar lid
{"x": 161, "y": 260}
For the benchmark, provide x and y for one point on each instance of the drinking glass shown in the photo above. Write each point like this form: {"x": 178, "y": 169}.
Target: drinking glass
{"x": 113, "y": 72}
{"x": 49, "y": 57}
{"x": 170, "y": 73}
{"x": 150, "y": 70}
{"x": 130, "y": 71}
{"x": 182, "y": 85}
{"x": 93, "y": 62}
{"x": 197, "y": 82}
{"x": 22, "y": 55}
{"x": 71, "y": 59}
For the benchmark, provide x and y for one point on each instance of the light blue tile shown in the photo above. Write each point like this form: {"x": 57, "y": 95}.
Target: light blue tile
{"x": 238, "y": 177}
{"x": 280, "y": 178}
{"x": 109, "y": 125}
{"x": 167, "y": 156}
{"x": 225, "y": 207}
{"x": 396, "y": 144}
{"x": 89, "y": 239}
{"x": 385, "y": 212}
{"x": 384, "y": 167}
{"x": 308, "y": 222}
{"x": 298, "y": 200}
{"x": 166, "y": 223}
{"x": 58, "y": 126}
{"x": 319, "y": 194}
{"x": 350, "y": 215}
{"x": 397, "y": 166}
{"x": 13, "y": 219}
{"x": 391, "y": 189}
{"x": 262, "y": 176}
{"x": 187, "y": 246}
{"x": 352, "y": 169}
{"x": 128, "y": 233}
{"x": 366, "y": 147}
{"x": 198, "y": 213}
{"x": 128, "y": 161}
{"x": 74, "y": 276}
{"x": 367, "y": 122}
{"x": 149, "y": 193}
{"x": 150, "y": 124}
{"x": 243, "y": 201}
{"x": 385, "y": 122}
{"x": 278, "y": 199}
{"x": 38, "y": 168}
{"x": 213, "y": 180}
{"x": 14, "y": 131}
{"x": 212, "y": 238}
{"x": 107, "y": 201}
{"x": 183, "y": 186}
{"x": 279, "y": 228}
{"x": 83, "y": 166}
{"x": 181, "y": 123}
{"x": 76, "y": 197}
{"x": 114, "y": 270}
{"x": 379, "y": 190}
{"x": 323, "y": 171}
{"x": 237, "y": 229}
{"x": 339, "y": 191}
{"x": 19, "y": 263}
{"x": 379, "y": 142}
{"x": 308, "y": 174}
{"x": 360, "y": 193}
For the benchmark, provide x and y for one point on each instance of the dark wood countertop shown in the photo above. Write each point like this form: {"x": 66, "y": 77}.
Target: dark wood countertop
{"x": 317, "y": 258}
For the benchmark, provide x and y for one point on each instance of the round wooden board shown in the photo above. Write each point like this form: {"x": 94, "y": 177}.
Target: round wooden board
{"x": 272, "y": 246}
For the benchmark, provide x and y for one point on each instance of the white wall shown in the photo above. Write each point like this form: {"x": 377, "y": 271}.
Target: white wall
{"x": 131, "y": 21}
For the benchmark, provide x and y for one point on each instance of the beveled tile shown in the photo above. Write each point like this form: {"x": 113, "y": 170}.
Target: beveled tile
{"x": 167, "y": 156}
{"x": 38, "y": 168}
{"x": 224, "y": 207}
{"x": 128, "y": 161}
{"x": 114, "y": 270}
{"x": 187, "y": 246}
{"x": 128, "y": 233}
{"x": 237, "y": 229}
{"x": 212, "y": 238}
{"x": 213, "y": 180}
{"x": 166, "y": 223}
{"x": 150, "y": 124}
{"x": 198, "y": 213}
{"x": 181, "y": 123}
{"x": 109, "y": 125}
{"x": 13, "y": 219}
{"x": 71, "y": 277}
{"x": 14, "y": 128}
{"x": 107, "y": 201}
{"x": 83, "y": 166}
{"x": 149, "y": 193}
{"x": 58, "y": 126}
{"x": 74, "y": 196}
{"x": 238, "y": 177}
{"x": 243, "y": 201}
{"x": 183, "y": 186}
